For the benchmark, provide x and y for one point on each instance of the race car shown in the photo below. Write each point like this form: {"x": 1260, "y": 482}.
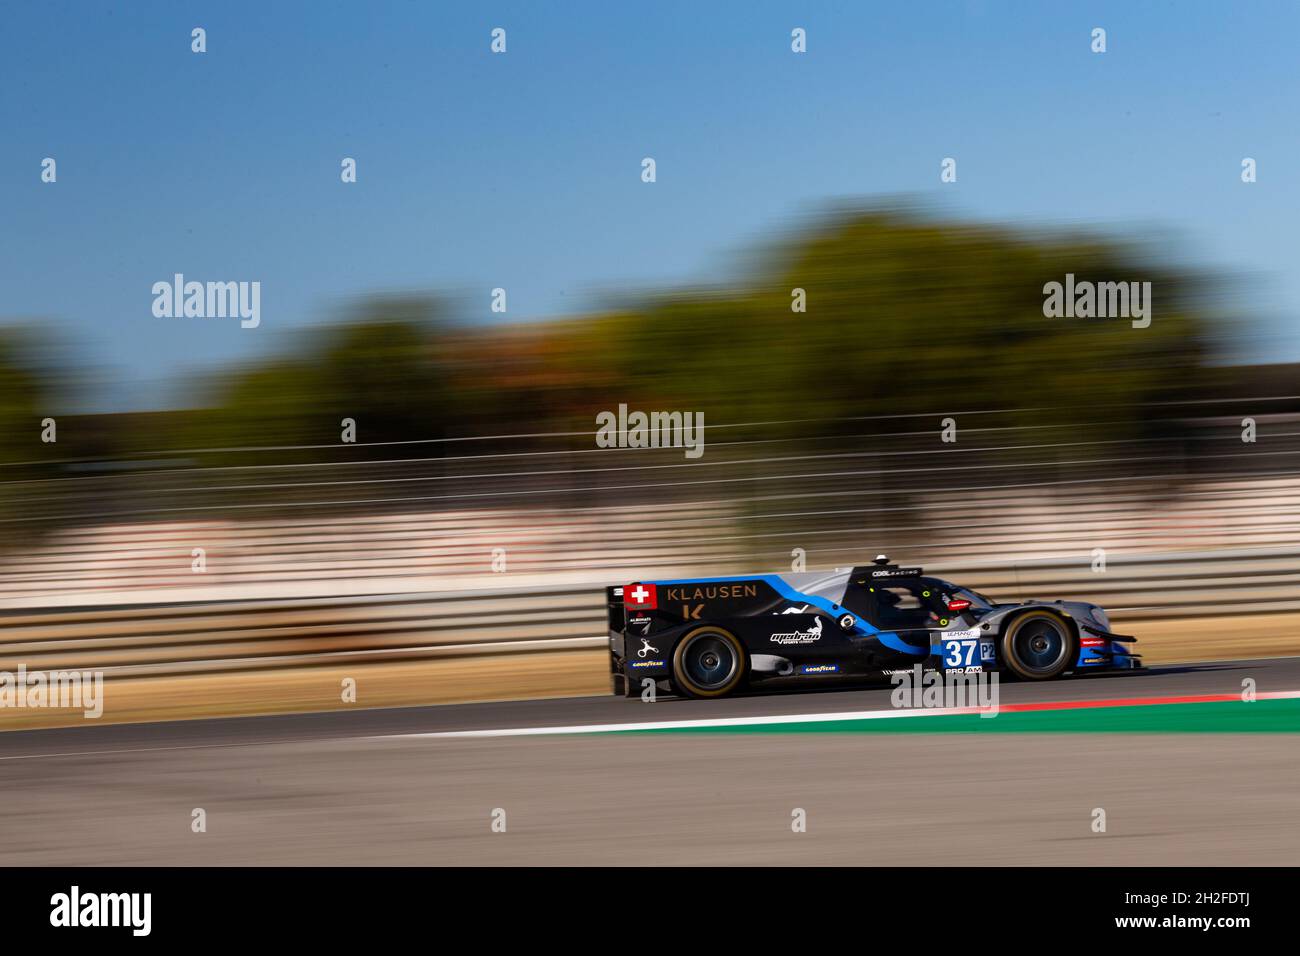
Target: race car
{"x": 710, "y": 637}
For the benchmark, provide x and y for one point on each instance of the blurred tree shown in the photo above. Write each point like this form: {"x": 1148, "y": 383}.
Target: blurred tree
{"x": 379, "y": 368}
{"x": 905, "y": 316}
{"x": 23, "y": 402}
{"x": 27, "y": 393}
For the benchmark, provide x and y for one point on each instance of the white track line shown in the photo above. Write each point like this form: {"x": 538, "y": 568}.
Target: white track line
{"x": 706, "y": 722}
{"x": 771, "y": 719}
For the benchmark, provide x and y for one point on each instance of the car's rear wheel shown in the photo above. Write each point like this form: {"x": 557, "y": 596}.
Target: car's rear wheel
{"x": 1038, "y": 646}
{"x": 708, "y": 662}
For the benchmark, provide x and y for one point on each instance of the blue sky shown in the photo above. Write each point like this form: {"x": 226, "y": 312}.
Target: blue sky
{"x": 523, "y": 170}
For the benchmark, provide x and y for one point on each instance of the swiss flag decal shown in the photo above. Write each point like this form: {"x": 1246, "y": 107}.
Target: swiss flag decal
{"x": 640, "y": 597}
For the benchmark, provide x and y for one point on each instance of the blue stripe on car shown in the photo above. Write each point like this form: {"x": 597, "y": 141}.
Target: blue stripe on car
{"x": 783, "y": 588}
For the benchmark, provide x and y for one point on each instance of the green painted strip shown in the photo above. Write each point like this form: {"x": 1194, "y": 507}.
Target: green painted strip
{"x": 1227, "y": 717}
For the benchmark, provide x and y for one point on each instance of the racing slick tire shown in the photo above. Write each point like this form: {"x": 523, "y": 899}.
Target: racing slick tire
{"x": 708, "y": 662}
{"x": 1038, "y": 645}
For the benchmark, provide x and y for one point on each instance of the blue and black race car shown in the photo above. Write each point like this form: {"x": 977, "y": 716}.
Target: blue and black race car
{"x": 709, "y": 637}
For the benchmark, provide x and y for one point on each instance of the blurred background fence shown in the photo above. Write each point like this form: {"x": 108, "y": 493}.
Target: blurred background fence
{"x": 342, "y": 561}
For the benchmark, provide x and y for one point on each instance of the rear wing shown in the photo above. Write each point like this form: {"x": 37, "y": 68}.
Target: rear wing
{"x": 616, "y": 617}
{"x": 614, "y": 611}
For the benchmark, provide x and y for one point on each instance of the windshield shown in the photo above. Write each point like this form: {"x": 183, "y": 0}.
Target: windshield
{"x": 977, "y": 599}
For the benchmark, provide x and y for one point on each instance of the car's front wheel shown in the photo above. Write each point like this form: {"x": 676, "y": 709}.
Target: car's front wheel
{"x": 1038, "y": 646}
{"x": 708, "y": 662}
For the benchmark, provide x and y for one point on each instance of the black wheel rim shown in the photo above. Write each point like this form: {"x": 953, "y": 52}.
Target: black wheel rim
{"x": 710, "y": 661}
{"x": 1040, "y": 646}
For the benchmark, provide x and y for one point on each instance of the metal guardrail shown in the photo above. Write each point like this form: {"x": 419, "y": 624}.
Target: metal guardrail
{"x": 161, "y": 640}
{"x": 234, "y": 636}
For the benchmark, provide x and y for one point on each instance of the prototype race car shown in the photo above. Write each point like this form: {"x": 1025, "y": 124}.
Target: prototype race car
{"x": 709, "y": 637}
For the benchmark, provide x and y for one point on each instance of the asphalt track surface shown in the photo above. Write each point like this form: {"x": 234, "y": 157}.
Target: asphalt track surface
{"x": 371, "y": 787}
